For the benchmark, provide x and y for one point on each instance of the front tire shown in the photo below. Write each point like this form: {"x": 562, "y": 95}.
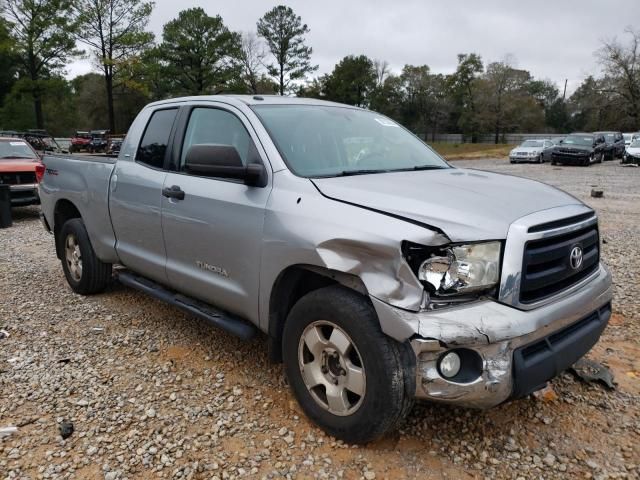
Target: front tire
{"x": 85, "y": 272}
{"x": 351, "y": 379}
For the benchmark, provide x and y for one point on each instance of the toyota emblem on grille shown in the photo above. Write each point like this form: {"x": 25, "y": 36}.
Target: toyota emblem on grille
{"x": 575, "y": 257}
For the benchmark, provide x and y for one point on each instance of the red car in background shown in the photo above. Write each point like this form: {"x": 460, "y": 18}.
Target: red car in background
{"x": 22, "y": 169}
{"x": 80, "y": 141}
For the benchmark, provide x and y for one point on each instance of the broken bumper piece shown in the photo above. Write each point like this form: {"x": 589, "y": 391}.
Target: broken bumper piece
{"x": 504, "y": 352}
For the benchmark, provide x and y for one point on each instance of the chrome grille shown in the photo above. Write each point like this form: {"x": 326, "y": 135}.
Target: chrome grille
{"x": 537, "y": 249}
{"x": 546, "y": 266}
{"x": 18, "y": 178}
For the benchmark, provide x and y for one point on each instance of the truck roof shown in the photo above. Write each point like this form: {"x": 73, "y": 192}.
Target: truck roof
{"x": 252, "y": 100}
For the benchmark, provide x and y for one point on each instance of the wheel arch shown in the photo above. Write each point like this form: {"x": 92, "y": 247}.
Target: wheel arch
{"x": 63, "y": 211}
{"x": 293, "y": 283}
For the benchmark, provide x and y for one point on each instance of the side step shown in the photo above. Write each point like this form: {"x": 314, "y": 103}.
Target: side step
{"x": 226, "y": 321}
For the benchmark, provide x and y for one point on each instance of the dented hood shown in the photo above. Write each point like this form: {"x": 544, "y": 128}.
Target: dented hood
{"x": 467, "y": 205}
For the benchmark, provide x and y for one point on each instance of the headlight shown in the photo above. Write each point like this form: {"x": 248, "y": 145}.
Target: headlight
{"x": 461, "y": 269}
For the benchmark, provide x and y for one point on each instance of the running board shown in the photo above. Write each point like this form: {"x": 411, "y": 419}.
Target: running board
{"x": 230, "y": 323}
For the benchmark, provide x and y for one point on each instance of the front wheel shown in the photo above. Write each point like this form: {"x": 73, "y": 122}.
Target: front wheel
{"x": 85, "y": 272}
{"x": 349, "y": 378}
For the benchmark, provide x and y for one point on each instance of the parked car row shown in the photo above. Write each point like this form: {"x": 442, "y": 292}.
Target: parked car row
{"x": 96, "y": 141}
{"x": 40, "y": 140}
{"x": 579, "y": 148}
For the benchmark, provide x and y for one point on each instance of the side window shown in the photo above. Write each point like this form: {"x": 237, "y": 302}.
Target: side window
{"x": 153, "y": 146}
{"x": 217, "y": 127}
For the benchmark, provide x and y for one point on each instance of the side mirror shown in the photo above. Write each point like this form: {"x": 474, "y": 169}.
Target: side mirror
{"x": 223, "y": 161}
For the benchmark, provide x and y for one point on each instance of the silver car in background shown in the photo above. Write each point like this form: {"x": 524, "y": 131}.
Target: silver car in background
{"x": 532, "y": 150}
{"x": 629, "y": 138}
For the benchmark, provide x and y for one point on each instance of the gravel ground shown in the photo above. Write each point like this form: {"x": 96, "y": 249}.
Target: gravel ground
{"x": 153, "y": 393}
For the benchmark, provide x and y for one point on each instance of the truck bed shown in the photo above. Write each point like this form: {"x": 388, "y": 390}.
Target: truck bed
{"x": 82, "y": 180}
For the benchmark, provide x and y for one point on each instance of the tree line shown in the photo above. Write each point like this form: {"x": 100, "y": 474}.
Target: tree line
{"x": 197, "y": 54}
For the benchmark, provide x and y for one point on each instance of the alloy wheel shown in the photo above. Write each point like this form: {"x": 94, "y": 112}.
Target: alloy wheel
{"x": 73, "y": 257}
{"x": 331, "y": 368}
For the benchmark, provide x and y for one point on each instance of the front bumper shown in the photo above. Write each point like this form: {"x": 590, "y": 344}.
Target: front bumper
{"x": 24, "y": 194}
{"x": 499, "y": 334}
{"x": 519, "y": 159}
{"x": 570, "y": 159}
{"x": 631, "y": 159}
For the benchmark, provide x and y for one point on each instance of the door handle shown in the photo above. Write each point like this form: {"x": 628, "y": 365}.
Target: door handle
{"x": 173, "y": 192}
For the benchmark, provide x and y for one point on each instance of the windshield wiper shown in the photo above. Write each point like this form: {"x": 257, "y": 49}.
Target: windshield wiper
{"x": 346, "y": 173}
{"x": 419, "y": 167}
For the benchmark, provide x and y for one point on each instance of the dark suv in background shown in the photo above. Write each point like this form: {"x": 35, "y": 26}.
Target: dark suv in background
{"x": 579, "y": 149}
{"x": 614, "y": 144}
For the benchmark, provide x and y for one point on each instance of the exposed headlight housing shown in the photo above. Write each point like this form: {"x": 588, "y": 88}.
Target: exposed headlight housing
{"x": 457, "y": 269}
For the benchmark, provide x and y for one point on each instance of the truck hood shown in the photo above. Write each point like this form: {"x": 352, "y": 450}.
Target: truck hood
{"x": 8, "y": 165}
{"x": 467, "y": 205}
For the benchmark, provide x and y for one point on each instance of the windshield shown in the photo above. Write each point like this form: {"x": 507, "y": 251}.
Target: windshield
{"x": 627, "y": 136}
{"x": 635, "y": 143}
{"x": 609, "y": 137}
{"x": 578, "y": 140}
{"x": 323, "y": 141}
{"x": 532, "y": 143}
{"x": 16, "y": 149}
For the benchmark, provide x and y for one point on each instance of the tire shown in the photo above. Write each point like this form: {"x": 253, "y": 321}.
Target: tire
{"x": 591, "y": 159}
{"x": 387, "y": 372}
{"x": 85, "y": 272}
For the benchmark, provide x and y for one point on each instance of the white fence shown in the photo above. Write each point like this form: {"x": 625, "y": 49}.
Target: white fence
{"x": 511, "y": 138}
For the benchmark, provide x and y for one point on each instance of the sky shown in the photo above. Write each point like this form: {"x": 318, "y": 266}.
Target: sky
{"x": 554, "y": 40}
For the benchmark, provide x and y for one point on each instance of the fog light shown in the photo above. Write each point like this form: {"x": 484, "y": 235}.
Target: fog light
{"x": 450, "y": 364}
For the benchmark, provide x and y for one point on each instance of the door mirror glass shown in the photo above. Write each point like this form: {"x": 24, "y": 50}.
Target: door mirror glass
{"x": 222, "y": 161}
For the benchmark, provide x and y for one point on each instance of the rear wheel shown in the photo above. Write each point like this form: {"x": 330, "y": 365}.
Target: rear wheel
{"x": 349, "y": 377}
{"x": 85, "y": 272}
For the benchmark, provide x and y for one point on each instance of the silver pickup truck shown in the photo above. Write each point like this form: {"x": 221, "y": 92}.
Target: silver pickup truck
{"x": 379, "y": 273}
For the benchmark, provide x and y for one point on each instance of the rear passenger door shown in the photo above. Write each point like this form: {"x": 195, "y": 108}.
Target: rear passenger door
{"x": 135, "y": 202}
{"x": 213, "y": 235}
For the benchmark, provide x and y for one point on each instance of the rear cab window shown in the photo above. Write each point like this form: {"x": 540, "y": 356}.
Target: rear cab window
{"x": 155, "y": 140}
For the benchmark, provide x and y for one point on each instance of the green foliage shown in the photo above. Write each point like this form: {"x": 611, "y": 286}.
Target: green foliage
{"x": 463, "y": 85}
{"x": 388, "y": 97}
{"x": 58, "y": 107}
{"x": 352, "y": 81}
{"x": 284, "y": 33}
{"x": 621, "y": 65}
{"x": 591, "y": 107}
{"x": 199, "y": 54}
{"x": 44, "y": 43}
{"x": 115, "y": 32}
{"x": 506, "y": 103}
{"x": 8, "y": 60}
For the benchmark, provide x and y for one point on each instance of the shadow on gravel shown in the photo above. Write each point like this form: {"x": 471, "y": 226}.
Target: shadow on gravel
{"x": 21, "y": 214}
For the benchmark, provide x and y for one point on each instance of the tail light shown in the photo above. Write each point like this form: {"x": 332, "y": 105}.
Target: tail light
{"x": 39, "y": 172}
